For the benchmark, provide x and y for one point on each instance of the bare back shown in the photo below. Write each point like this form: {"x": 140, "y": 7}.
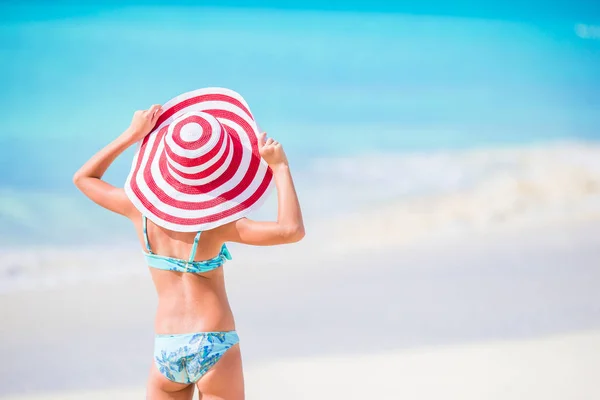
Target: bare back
{"x": 188, "y": 302}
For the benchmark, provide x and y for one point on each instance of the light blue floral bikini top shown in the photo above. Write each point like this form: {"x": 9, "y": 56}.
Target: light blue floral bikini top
{"x": 176, "y": 264}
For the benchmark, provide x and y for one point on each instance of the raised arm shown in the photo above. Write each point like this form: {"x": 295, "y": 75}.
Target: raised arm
{"x": 289, "y": 226}
{"x": 88, "y": 178}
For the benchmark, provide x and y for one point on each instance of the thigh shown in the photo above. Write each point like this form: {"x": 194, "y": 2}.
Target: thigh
{"x": 225, "y": 380}
{"x": 160, "y": 388}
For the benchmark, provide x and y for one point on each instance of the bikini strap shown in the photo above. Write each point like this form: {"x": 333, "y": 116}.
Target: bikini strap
{"x": 225, "y": 252}
{"x": 145, "y": 230}
{"x": 194, "y": 247}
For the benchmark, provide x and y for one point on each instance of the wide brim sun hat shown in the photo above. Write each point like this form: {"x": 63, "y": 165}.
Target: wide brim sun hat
{"x": 200, "y": 167}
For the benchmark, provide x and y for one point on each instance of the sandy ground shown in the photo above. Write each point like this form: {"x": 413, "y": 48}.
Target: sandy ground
{"x": 558, "y": 367}
{"x": 512, "y": 314}
{"x": 563, "y": 367}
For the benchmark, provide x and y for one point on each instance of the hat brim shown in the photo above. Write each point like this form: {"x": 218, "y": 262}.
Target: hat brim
{"x": 193, "y": 205}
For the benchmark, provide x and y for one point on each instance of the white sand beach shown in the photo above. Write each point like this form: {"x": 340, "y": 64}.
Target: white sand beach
{"x": 511, "y": 313}
{"x": 556, "y": 367}
{"x": 562, "y": 367}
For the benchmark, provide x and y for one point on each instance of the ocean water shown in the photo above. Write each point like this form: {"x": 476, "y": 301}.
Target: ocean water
{"x": 372, "y": 105}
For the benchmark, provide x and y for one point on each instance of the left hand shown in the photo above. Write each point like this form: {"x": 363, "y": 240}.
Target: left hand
{"x": 271, "y": 151}
{"x": 143, "y": 122}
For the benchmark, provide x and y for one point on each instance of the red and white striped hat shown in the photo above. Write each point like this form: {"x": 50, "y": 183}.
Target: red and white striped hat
{"x": 200, "y": 167}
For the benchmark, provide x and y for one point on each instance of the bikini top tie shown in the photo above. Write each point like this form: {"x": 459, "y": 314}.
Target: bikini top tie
{"x": 179, "y": 265}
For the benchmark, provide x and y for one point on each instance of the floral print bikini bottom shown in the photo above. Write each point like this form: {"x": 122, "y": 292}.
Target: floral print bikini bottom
{"x": 185, "y": 358}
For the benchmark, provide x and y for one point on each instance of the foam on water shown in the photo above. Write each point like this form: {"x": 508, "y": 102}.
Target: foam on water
{"x": 470, "y": 190}
{"x": 566, "y": 170}
{"x": 355, "y": 202}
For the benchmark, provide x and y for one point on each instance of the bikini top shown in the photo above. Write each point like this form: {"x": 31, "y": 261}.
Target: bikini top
{"x": 176, "y": 264}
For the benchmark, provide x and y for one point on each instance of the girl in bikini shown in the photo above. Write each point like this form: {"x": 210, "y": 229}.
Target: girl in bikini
{"x": 201, "y": 166}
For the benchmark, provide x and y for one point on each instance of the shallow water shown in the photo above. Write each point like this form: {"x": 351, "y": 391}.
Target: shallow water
{"x": 341, "y": 90}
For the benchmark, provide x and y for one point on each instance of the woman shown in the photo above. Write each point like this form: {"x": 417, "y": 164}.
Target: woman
{"x": 200, "y": 168}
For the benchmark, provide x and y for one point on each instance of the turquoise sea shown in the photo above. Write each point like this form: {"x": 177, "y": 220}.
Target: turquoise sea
{"x": 350, "y": 90}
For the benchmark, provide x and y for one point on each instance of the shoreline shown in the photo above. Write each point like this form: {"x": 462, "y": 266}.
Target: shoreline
{"x": 419, "y": 191}
{"x": 327, "y": 240}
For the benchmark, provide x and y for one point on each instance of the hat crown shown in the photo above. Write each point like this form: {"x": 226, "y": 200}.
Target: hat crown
{"x": 193, "y": 140}
{"x": 200, "y": 167}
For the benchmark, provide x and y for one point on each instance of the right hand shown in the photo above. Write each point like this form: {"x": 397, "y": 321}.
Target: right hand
{"x": 271, "y": 151}
{"x": 143, "y": 122}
